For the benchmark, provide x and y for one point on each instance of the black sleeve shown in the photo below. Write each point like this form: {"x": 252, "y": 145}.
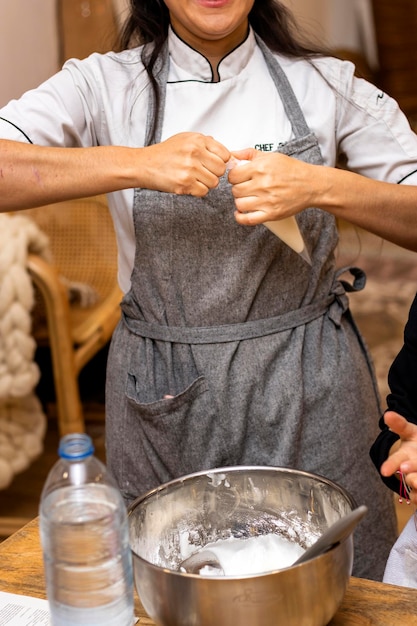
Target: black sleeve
{"x": 402, "y": 381}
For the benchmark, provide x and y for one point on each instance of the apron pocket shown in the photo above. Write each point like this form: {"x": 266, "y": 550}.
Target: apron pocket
{"x": 168, "y": 405}
{"x": 178, "y": 435}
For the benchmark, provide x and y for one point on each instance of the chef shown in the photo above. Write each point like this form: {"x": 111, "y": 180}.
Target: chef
{"x": 232, "y": 348}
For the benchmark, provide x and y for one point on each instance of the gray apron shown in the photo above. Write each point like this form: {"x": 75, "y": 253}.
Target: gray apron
{"x": 234, "y": 351}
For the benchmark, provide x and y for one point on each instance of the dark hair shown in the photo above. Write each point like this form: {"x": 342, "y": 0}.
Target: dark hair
{"x": 149, "y": 20}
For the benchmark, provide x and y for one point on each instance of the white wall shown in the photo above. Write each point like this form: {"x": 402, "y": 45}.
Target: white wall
{"x": 339, "y": 24}
{"x": 311, "y": 15}
{"x": 28, "y": 45}
{"x": 121, "y": 8}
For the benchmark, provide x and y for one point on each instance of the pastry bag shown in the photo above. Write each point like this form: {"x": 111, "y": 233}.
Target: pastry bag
{"x": 286, "y": 229}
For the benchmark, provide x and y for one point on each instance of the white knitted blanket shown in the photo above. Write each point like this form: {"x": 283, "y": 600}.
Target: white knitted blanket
{"x": 22, "y": 420}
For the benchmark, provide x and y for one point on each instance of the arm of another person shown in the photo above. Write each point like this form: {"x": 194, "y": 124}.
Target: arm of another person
{"x": 395, "y": 448}
{"x": 402, "y": 454}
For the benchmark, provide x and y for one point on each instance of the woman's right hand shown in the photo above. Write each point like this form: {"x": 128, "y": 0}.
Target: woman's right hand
{"x": 186, "y": 163}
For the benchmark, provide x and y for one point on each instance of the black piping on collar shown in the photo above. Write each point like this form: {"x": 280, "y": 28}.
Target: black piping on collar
{"x": 198, "y": 52}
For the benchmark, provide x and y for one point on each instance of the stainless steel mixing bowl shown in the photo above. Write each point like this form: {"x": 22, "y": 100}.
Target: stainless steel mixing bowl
{"x": 239, "y": 502}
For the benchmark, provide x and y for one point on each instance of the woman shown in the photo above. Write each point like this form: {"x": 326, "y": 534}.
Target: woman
{"x": 231, "y": 349}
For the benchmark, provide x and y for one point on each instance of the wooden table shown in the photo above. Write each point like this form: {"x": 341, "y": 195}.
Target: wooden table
{"x": 366, "y": 603}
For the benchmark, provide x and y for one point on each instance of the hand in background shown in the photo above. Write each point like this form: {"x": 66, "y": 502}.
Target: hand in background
{"x": 403, "y": 456}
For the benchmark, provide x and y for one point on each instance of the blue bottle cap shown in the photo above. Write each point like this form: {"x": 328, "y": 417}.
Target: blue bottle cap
{"x": 75, "y": 447}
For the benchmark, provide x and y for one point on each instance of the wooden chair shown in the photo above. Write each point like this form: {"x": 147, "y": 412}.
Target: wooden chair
{"x": 83, "y": 246}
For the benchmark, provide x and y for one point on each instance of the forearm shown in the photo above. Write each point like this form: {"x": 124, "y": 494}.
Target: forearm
{"x": 385, "y": 209}
{"x": 31, "y": 175}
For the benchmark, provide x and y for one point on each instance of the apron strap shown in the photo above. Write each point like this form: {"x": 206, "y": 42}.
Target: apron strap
{"x": 285, "y": 91}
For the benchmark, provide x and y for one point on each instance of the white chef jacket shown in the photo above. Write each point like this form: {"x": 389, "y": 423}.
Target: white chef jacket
{"x": 102, "y": 100}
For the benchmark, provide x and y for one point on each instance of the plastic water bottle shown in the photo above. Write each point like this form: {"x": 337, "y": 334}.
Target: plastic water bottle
{"x": 85, "y": 542}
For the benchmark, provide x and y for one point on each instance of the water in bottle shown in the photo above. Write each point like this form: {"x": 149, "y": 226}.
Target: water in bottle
{"x": 84, "y": 535}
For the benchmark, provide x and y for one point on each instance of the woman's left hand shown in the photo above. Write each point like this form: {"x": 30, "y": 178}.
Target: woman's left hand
{"x": 270, "y": 186}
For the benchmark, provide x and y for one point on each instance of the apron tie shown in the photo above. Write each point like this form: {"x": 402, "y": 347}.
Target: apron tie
{"x": 339, "y": 288}
{"x": 225, "y": 332}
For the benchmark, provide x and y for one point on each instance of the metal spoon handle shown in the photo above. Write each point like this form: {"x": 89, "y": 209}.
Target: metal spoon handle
{"x": 333, "y": 535}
